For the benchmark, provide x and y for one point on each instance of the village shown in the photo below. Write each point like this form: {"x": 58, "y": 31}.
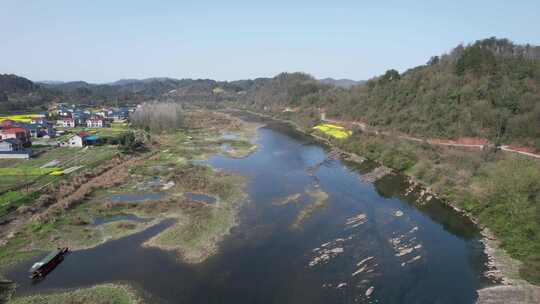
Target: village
{"x": 62, "y": 126}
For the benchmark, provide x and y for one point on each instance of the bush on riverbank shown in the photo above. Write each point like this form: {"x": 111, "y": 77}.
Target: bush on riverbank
{"x": 393, "y": 154}
{"x": 508, "y": 201}
{"x": 502, "y": 190}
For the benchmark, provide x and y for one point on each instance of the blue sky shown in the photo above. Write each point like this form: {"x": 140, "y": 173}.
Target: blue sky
{"x": 102, "y": 41}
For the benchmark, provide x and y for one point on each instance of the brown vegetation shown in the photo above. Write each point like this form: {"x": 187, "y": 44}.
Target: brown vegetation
{"x": 158, "y": 117}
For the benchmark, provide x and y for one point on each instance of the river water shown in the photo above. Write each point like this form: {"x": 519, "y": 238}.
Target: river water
{"x": 381, "y": 245}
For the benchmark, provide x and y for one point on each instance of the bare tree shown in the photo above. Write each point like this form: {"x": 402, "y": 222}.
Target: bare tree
{"x": 159, "y": 117}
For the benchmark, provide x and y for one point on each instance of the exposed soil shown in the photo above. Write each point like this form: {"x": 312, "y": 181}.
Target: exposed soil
{"x": 66, "y": 195}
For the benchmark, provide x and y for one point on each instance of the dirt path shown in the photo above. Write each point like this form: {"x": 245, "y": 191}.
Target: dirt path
{"x": 480, "y": 144}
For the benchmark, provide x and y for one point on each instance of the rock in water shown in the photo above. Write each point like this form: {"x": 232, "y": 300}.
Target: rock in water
{"x": 370, "y": 291}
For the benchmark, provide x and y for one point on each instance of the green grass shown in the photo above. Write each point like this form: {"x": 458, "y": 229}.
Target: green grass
{"x": 101, "y": 294}
{"x": 13, "y": 199}
{"x": 207, "y": 225}
{"x": 15, "y": 251}
{"x": 500, "y": 189}
{"x": 18, "y": 173}
{"x": 114, "y": 130}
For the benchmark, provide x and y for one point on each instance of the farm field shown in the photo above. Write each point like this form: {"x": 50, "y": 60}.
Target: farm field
{"x": 25, "y": 177}
{"x": 335, "y": 131}
{"x": 26, "y": 118}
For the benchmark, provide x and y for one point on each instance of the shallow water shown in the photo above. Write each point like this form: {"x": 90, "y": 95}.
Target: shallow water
{"x": 136, "y": 197}
{"x": 264, "y": 260}
{"x": 200, "y": 197}
{"x": 115, "y": 218}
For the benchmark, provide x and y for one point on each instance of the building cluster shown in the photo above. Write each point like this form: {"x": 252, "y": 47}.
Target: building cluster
{"x": 71, "y": 116}
{"x": 16, "y": 136}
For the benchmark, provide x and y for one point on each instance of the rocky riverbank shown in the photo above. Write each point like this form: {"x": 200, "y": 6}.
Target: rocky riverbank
{"x": 502, "y": 268}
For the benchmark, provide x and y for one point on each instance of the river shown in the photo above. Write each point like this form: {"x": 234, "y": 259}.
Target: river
{"x": 381, "y": 246}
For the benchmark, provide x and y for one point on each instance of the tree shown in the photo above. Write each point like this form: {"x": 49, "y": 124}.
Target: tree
{"x": 390, "y": 75}
{"x": 434, "y": 60}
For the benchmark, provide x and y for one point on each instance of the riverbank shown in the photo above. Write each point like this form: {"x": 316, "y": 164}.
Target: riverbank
{"x": 100, "y": 294}
{"x": 131, "y": 193}
{"x": 445, "y": 173}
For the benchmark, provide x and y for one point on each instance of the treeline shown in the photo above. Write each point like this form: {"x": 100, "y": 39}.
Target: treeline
{"x": 490, "y": 89}
{"x": 20, "y": 94}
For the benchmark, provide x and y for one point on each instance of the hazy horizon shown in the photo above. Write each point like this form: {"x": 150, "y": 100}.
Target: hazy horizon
{"x": 102, "y": 42}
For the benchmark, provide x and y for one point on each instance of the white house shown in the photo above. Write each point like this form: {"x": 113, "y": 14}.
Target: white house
{"x": 13, "y": 148}
{"x": 67, "y": 123}
{"x": 94, "y": 123}
{"x": 76, "y": 141}
{"x": 9, "y": 145}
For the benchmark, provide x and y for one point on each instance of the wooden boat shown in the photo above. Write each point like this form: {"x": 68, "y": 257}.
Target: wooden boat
{"x": 47, "y": 264}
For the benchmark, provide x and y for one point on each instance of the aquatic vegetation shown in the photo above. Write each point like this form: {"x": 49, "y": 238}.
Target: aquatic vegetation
{"x": 320, "y": 201}
{"x": 293, "y": 198}
{"x": 199, "y": 228}
{"x": 335, "y": 131}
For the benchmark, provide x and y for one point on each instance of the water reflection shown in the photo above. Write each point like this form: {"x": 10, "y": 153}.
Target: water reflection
{"x": 421, "y": 254}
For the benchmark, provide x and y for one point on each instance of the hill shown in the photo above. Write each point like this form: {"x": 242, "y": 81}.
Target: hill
{"x": 489, "y": 89}
{"x": 342, "y": 83}
{"x": 10, "y": 84}
{"x": 18, "y": 93}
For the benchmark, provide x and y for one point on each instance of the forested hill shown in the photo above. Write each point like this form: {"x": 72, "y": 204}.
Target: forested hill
{"x": 490, "y": 88}
{"x": 139, "y": 90}
{"x": 343, "y": 83}
{"x": 17, "y": 93}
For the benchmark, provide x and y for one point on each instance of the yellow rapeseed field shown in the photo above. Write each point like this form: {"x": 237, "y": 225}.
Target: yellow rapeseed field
{"x": 26, "y": 118}
{"x": 334, "y": 130}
